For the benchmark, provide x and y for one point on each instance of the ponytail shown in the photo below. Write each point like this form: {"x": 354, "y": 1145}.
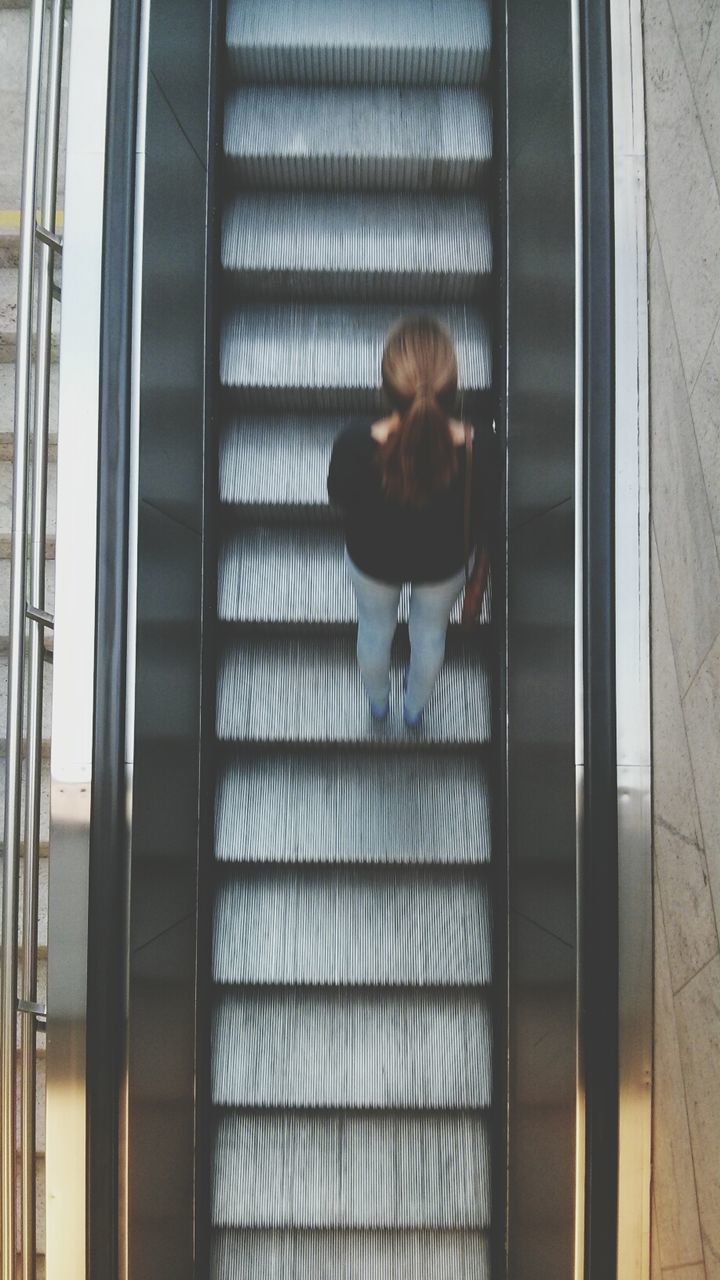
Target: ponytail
{"x": 418, "y": 459}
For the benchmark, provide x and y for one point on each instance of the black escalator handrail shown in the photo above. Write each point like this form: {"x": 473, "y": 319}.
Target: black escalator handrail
{"x": 107, "y": 899}
{"x": 599, "y": 871}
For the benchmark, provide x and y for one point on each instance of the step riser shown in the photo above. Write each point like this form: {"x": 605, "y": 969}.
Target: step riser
{"x": 9, "y": 243}
{"x": 423, "y": 68}
{"x": 5, "y": 592}
{"x": 328, "y": 286}
{"x": 350, "y": 401}
{"x": 355, "y": 173}
{"x": 8, "y": 347}
{"x": 44, "y": 795}
{"x": 47, "y": 695}
{"x": 390, "y": 1255}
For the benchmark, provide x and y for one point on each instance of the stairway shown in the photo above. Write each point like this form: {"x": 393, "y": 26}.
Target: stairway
{"x": 351, "y": 1036}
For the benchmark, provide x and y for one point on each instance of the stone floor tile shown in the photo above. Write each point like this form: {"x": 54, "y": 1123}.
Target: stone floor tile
{"x": 13, "y": 71}
{"x": 707, "y": 92}
{"x": 684, "y": 886}
{"x": 693, "y": 19}
{"x": 674, "y": 800}
{"x": 705, "y": 405}
{"x": 655, "y": 1273}
{"x": 683, "y": 189}
{"x": 683, "y": 526}
{"x": 677, "y": 834}
{"x": 701, "y": 707}
{"x": 677, "y": 1221}
{"x": 697, "y": 1009}
{"x": 697, "y": 1272}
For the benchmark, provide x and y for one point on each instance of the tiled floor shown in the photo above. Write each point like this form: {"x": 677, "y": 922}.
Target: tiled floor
{"x": 682, "y": 66}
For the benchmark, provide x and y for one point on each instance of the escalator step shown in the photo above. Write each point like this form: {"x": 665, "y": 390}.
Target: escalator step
{"x": 328, "y": 357}
{"x": 352, "y": 806}
{"x": 286, "y": 573}
{"x": 307, "y": 689}
{"x": 350, "y": 1255}
{"x": 363, "y": 1169}
{"x": 414, "y": 42}
{"x": 351, "y": 1048}
{"x": 277, "y": 461}
{"x": 330, "y": 246}
{"x": 355, "y": 926}
{"x": 358, "y": 139}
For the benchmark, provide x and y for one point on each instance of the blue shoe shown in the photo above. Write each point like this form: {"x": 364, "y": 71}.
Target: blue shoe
{"x": 379, "y": 712}
{"x": 412, "y": 722}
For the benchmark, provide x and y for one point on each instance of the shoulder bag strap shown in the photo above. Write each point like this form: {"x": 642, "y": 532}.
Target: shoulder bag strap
{"x": 468, "y": 495}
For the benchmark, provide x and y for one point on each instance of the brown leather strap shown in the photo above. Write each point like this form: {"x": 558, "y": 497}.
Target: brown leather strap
{"x": 468, "y": 494}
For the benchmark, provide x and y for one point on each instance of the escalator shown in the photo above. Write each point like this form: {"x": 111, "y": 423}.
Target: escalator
{"x": 352, "y": 965}
{"x": 326, "y": 997}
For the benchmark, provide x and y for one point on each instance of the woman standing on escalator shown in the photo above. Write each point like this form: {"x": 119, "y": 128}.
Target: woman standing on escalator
{"x": 401, "y": 485}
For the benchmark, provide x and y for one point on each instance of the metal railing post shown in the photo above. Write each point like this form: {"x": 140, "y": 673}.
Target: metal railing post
{"x": 47, "y": 248}
{"x": 16, "y": 656}
{"x": 24, "y": 609}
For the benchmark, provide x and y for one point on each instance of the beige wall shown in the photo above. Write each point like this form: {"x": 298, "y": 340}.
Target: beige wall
{"x": 682, "y": 67}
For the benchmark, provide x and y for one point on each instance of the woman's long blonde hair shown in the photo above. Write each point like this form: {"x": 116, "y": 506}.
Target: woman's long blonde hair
{"x": 420, "y": 376}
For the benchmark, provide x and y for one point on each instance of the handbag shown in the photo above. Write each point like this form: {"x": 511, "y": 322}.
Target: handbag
{"x": 474, "y": 586}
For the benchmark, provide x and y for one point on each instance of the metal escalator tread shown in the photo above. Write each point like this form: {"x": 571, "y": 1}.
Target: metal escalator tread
{"x": 409, "y": 248}
{"x": 290, "y": 573}
{"x": 352, "y": 926}
{"x": 354, "y": 1169}
{"x": 300, "y": 1047}
{"x": 355, "y": 805}
{"x": 351, "y": 1050}
{"x": 328, "y": 356}
{"x": 418, "y": 42}
{"x": 306, "y": 688}
{"x": 350, "y": 1255}
{"x": 358, "y": 138}
{"x": 277, "y": 460}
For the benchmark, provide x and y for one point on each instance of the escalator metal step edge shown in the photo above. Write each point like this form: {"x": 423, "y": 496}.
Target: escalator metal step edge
{"x": 411, "y": 42}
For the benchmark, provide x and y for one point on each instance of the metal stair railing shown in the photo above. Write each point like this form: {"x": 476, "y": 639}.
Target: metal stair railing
{"x": 29, "y": 620}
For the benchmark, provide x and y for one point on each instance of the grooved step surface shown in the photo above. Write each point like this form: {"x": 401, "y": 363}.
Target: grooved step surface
{"x": 340, "y": 1048}
{"x": 358, "y": 139}
{"x": 277, "y": 460}
{"x": 305, "y": 357}
{"x": 415, "y": 42}
{"x": 351, "y": 1255}
{"x": 354, "y": 805}
{"x": 308, "y": 689}
{"x": 356, "y": 926}
{"x": 286, "y": 573}
{"x": 351, "y": 1057}
{"x": 312, "y": 1169}
{"x": 434, "y": 248}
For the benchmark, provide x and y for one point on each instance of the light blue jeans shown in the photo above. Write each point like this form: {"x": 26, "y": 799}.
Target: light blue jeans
{"x": 430, "y": 606}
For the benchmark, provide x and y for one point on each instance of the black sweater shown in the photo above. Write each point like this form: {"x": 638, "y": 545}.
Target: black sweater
{"x": 395, "y": 542}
